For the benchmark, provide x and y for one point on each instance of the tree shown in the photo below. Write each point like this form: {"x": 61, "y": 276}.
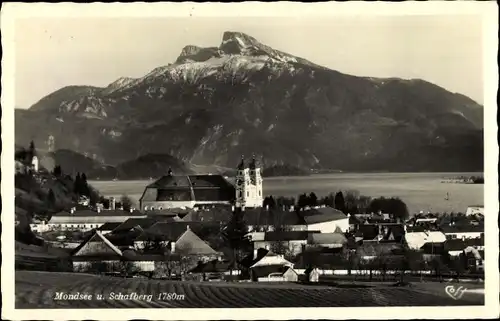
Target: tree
{"x": 235, "y": 234}
{"x": 313, "y": 199}
{"x": 394, "y": 206}
{"x": 126, "y": 202}
{"x": 51, "y": 199}
{"x": 77, "y": 184}
{"x": 32, "y": 149}
{"x": 128, "y": 268}
{"x": 57, "y": 171}
{"x": 303, "y": 201}
{"x": 339, "y": 201}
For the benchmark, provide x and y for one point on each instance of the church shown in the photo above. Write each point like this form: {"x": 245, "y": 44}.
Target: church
{"x": 194, "y": 191}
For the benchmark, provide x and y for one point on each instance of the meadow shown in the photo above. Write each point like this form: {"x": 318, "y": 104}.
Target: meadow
{"x": 420, "y": 191}
{"x": 37, "y": 290}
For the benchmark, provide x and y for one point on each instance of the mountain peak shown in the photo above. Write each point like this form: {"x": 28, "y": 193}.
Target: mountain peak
{"x": 234, "y": 42}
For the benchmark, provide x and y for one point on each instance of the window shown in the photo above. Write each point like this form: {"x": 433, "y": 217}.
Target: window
{"x": 260, "y": 193}
{"x": 248, "y": 193}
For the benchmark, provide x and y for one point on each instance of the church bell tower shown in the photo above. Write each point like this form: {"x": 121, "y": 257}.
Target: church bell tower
{"x": 249, "y": 185}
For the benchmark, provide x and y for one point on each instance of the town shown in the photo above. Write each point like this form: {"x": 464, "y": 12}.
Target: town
{"x": 205, "y": 228}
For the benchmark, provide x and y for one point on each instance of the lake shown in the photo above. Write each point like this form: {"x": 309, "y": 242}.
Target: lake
{"x": 420, "y": 191}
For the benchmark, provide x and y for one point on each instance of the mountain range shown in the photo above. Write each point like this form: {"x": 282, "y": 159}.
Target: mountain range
{"x": 214, "y": 104}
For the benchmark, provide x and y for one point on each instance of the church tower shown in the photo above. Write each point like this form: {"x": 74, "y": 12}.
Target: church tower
{"x": 242, "y": 180}
{"x": 249, "y": 185}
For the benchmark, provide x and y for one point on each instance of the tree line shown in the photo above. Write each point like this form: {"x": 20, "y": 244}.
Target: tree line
{"x": 347, "y": 202}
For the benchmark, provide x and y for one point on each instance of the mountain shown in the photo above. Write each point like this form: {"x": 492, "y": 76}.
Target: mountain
{"x": 144, "y": 167}
{"x": 214, "y": 104}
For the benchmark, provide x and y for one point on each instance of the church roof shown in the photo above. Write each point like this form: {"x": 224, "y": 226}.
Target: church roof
{"x": 194, "y": 181}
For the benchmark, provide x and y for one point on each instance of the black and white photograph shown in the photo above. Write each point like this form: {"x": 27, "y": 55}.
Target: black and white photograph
{"x": 246, "y": 156}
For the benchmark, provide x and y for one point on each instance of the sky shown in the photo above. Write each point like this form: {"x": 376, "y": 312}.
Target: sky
{"x": 52, "y": 53}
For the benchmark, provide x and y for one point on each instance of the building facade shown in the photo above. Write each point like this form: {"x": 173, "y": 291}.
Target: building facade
{"x": 193, "y": 191}
{"x": 249, "y": 185}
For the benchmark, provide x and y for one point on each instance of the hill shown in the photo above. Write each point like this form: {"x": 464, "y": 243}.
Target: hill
{"x": 151, "y": 165}
{"x": 284, "y": 170}
{"x": 214, "y": 104}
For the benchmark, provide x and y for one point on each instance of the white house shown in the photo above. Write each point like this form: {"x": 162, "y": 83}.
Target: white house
{"x": 83, "y": 220}
{"x": 463, "y": 232}
{"x": 475, "y": 210}
{"x": 326, "y": 220}
{"x": 290, "y": 241}
{"x": 416, "y": 239}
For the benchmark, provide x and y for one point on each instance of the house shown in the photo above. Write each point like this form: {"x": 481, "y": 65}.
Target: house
{"x": 163, "y": 235}
{"x": 475, "y": 210}
{"x": 142, "y": 223}
{"x": 390, "y": 232}
{"x": 211, "y": 270}
{"x": 265, "y": 220}
{"x": 416, "y": 237}
{"x": 311, "y": 275}
{"x": 84, "y": 220}
{"x": 463, "y": 231}
{"x": 432, "y": 250}
{"x": 188, "y": 191}
{"x": 289, "y": 242}
{"x": 261, "y": 263}
{"x": 370, "y": 251}
{"x": 98, "y": 254}
{"x": 325, "y": 220}
{"x": 274, "y": 273}
{"x": 329, "y": 240}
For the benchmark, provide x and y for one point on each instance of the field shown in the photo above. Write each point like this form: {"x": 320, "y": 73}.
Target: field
{"x": 38, "y": 290}
{"x": 420, "y": 191}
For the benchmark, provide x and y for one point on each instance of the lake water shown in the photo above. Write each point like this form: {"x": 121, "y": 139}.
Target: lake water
{"x": 420, "y": 191}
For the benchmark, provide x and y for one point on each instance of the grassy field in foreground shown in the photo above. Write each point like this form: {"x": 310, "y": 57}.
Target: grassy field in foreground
{"x": 38, "y": 290}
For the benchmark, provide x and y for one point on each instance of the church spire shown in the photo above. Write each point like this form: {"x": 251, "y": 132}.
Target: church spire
{"x": 241, "y": 166}
{"x": 254, "y": 164}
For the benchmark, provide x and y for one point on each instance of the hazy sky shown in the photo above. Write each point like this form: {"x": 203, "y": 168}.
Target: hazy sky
{"x": 53, "y": 53}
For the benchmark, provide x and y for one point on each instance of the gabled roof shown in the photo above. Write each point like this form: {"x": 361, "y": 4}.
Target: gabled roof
{"x": 97, "y": 245}
{"x": 322, "y": 214}
{"x": 377, "y": 249}
{"x": 143, "y": 223}
{"x": 191, "y": 244}
{"x": 171, "y": 181}
{"x": 454, "y": 245}
{"x": 266, "y": 270}
{"x": 213, "y": 266}
{"x": 462, "y": 228}
{"x": 326, "y": 238}
{"x": 89, "y": 212}
{"x": 261, "y": 216}
{"x": 109, "y": 226}
{"x": 286, "y": 235}
{"x": 368, "y": 231}
{"x": 170, "y": 231}
{"x": 433, "y": 248}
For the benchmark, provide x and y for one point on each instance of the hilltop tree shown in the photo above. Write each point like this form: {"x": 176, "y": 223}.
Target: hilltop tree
{"x": 339, "y": 201}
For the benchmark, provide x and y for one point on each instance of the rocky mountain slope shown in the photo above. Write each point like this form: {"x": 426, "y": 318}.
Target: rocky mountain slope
{"x": 214, "y": 104}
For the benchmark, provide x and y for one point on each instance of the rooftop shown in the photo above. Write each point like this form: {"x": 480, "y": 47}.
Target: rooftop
{"x": 322, "y": 214}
